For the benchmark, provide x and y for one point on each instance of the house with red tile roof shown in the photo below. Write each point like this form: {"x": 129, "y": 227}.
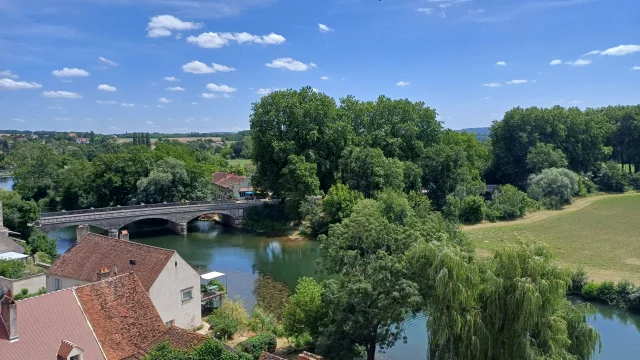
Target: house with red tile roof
{"x": 231, "y": 186}
{"x": 112, "y": 319}
{"x": 170, "y": 282}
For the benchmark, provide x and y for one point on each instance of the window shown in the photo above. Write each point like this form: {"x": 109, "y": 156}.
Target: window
{"x": 57, "y": 284}
{"x": 187, "y": 294}
{"x": 170, "y": 323}
{"x": 76, "y": 357}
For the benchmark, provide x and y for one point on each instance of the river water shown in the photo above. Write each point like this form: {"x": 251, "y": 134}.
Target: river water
{"x": 247, "y": 258}
{"x": 6, "y": 182}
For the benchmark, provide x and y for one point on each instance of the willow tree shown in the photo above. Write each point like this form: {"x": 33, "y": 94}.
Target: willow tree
{"x": 511, "y": 307}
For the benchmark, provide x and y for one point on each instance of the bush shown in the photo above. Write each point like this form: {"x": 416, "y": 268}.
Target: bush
{"x": 554, "y": 187}
{"x": 24, "y": 294}
{"x": 254, "y": 346}
{"x": 611, "y": 177}
{"x": 508, "y": 203}
{"x": 451, "y": 209}
{"x": 585, "y": 186}
{"x": 606, "y": 292}
{"x": 634, "y": 181}
{"x": 12, "y": 269}
{"x": 43, "y": 257}
{"x": 311, "y": 212}
{"x": 263, "y": 321}
{"x": 472, "y": 210}
{"x": 590, "y": 290}
{"x": 579, "y": 280}
{"x": 40, "y": 242}
{"x": 303, "y": 341}
{"x": 227, "y": 320}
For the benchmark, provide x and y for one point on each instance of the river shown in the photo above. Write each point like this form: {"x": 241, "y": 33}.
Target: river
{"x": 6, "y": 182}
{"x": 247, "y": 258}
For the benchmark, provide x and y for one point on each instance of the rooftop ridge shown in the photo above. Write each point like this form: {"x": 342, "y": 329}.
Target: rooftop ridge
{"x": 126, "y": 241}
{"x": 41, "y": 295}
{"x": 109, "y": 279}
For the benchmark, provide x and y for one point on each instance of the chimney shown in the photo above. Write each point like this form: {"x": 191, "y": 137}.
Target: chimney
{"x": 81, "y": 232}
{"x": 9, "y": 315}
{"x": 124, "y": 235}
{"x": 103, "y": 273}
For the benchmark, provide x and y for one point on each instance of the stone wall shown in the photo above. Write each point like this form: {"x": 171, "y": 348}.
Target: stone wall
{"x": 32, "y": 283}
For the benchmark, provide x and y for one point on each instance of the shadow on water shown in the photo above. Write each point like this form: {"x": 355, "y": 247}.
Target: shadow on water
{"x": 257, "y": 266}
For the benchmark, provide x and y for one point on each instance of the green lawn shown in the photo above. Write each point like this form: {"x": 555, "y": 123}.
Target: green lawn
{"x": 245, "y": 162}
{"x": 603, "y": 237}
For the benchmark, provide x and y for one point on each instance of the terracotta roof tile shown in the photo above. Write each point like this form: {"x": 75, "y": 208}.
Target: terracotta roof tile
{"x": 94, "y": 252}
{"x": 121, "y": 314}
{"x": 179, "y": 338}
{"x": 65, "y": 348}
{"x": 268, "y": 356}
{"x": 226, "y": 179}
{"x": 43, "y": 322}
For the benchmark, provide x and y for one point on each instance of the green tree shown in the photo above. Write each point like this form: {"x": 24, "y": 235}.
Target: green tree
{"x": 166, "y": 182}
{"x": 611, "y": 177}
{"x": 298, "y": 181}
{"x": 508, "y": 203}
{"x": 339, "y": 202}
{"x": 304, "y": 310}
{"x": 40, "y": 242}
{"x": 147, "y": 140}
{"x": 368, "y": 171}
{"x": 34, "y": 167}
{"x": 135, "y": 139}
{"x": 544, "y": 156}
{"x": 553, "y": 187}
{"x": 17, "y": 213}
{"x": 74, "y": 187}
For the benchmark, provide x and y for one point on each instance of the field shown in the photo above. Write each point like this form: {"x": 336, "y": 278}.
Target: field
{"x": 601, "y": 234}
{"x": 182, "y": 139}
{"x": 245, "y": 162}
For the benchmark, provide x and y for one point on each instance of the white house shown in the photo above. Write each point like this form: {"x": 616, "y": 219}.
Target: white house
{"x": 231, "y": 186}
{"x": 170, "y": 282}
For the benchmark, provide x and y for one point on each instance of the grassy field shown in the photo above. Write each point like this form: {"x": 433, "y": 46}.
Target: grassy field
{"x": 601, "y": 235}
{"x": 183, "y": 139}
{"x": 245, "y": 162}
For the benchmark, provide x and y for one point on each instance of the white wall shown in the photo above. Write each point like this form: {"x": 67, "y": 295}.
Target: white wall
{"x": 165, "y": 293}
{"x": 33, "y": 284}
{"x": 64, "y": 282}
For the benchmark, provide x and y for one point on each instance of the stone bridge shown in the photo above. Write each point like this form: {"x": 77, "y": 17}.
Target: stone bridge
{"x": 177, "y": 215}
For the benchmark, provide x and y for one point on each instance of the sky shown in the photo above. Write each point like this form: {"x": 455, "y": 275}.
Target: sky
{"x": 116, "y": 66}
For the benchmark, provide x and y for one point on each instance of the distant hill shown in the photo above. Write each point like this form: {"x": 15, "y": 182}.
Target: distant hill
{"x": 482, "y": 133}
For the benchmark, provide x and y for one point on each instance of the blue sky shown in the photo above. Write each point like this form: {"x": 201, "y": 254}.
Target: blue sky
{"x": 101, "y": 64}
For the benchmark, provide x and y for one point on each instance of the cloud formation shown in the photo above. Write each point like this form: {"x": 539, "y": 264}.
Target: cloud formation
{"x": 8, "y": 74}
{"x": 501, "y": 63}
{"x": 492, "y": 85}
{"x": 621, "y": 50}
{"x": 61, "y": 95}
{"x": 579, "y": 62}
{"x": 164, "y": 100}
{"x": 220, "y": 88}
{"x": 103, "y": 102}
{"x": 555, "y": 62}
{"x": 209, "y": 96}
{"x": 214, "y": 40}
{"x": 403, "y": 83}
{"x": 128, "y": 105}
{"x": 171, "y": 78}
{"x": 324, "y": 28}
{"x": 517, "y": 82}
{"x": 197, "y": 67}
{"x": 290, "y": 64}
{"x": 105, "y": 87}
{"x": 163, "y": 25}
{"x": 175, "y": 88}
{"x": 107, "y": 61}
{"x": 8, "y": 84}
{"x": 67, "y": 72}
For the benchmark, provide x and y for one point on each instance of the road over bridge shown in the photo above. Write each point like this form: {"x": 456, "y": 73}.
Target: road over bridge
{"x": 177, "y": 214}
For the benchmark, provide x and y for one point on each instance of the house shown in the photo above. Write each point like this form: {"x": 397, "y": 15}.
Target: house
{"x": 112, "y": 319}
{"x": 82, "y": 140}
{"x": 171, "y": 283}
{"x": 231, "y": 186}
{"x": 32, "y": 279}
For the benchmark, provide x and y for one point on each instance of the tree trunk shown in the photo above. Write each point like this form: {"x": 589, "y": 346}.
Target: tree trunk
{"x": 371, "y": 350}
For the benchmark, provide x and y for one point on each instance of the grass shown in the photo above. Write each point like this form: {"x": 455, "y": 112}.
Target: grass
{"x": 603, "y": 237}
{"x": 244, "y": 162}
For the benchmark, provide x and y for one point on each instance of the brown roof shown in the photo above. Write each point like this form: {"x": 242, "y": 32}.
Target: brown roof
{"x": 121, "y": 314}
{"x": 179, "y": 338}
{"x": 225, "y": 180}
{"x": 7, "y": 244}
{"x": 94, "y": 252}
{"x": 43, "y": 322}
{"x": 268, "y": 356}
{"x": 66, "y": 347}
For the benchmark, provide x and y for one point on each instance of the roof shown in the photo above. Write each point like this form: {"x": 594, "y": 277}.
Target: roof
{"x": 66, "y": 347}
{"x": 211, "y": 275}
{"x": 94, "y": 252}
{"x": 8, "y": 245}
{"x": 43, "y": 322}
{"x": 179, "y": 338}
{"x": 12, "y": 256}
{"x": 121, "y": 314}
{"x": 226, "y": 179}
{"x": 268, "y": 356}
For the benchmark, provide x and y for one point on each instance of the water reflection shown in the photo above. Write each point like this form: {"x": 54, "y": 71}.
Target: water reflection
{"x": 6, "y": 183}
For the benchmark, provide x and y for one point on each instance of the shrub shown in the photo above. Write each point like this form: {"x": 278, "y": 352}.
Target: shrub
{"x": 545, "y": 156}
{"x": 43, "y": 257}
{"x": 303, "y": 341}
{"x": 579, "y": 279}
{"x": 40, "y": 242}
{"x": 223, "y": 324}
{"x": 585, "y": 186}
{"x": 590, "y": 290}
{"x": 553, "y": 187}
{"x": 339, "y": 202}
{"x": 263, "y": 321}
{"x": 611, "y": 177}
{"x": 12, "y": 269}
{"x": 634, "y": 181}
{"x": 24, "y": 294}
{"x": 508, "y": 203}
{"x": 606, "y": 292}
{"x": 472, "y": 210}
{"x": 451, "y": 209}
{"x": 311, "y": 212}
{"x": 255, "y": 345}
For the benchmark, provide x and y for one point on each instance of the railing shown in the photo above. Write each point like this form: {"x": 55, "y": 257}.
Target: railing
{"x": 137, "y": 207}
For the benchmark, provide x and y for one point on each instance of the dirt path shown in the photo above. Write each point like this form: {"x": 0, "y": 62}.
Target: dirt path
{"x": 545, "y": 214}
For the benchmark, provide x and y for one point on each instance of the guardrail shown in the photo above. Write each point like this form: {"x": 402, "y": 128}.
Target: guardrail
{"x": 136, "y": 207}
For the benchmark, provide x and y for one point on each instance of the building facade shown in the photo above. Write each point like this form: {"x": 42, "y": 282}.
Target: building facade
{"x": 231, "y": 186}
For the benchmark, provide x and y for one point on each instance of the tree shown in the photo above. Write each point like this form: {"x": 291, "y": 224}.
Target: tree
{"x": 34, "y": 167}
{"x": 147, "y": 140}
{"x": 611, "y": 177}
{"x": 74, "y": 188}
{"x": 304, "y": 311}
{"x": 553, "y": 187}
{"x": 508, "y": 203}
{"x": 135, "y": 139}
{"x": 40, "y": 242}
{"x": 17, "y": 213}
{"x": 368, "y": 171}
{"x": 298, "y": 181}
{"x": 544, "y": 156}
{"x": 166, "y": 182}
{"x": 339, "y": 202}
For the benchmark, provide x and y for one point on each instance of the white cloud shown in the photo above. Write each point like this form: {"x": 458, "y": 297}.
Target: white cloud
{"x": 516, "y": 82}
{"x": 444, "y": 5}
{"x": 175, "y": 88}
{"x": 324, "y": 78}
{"x": 427, "y": 11}
{"x": 579, "y": 62}
{"x": 621, "y": 50}
{"x": 171, "y": 78}
{"x": 8, "y": 84}
{"x": 442, "y": 15}
{"x": 105, "y": 87}
{"x": 476, "y": 11}
{"x": 110, "y": 102}
{"x": 214, "y": 40}
{"x": 501, "y": 63}
{"x": 226, "y": 96}
{"x": 403, "y": 83}
{"x": 324, "y": 28}
{"x": 492, "y": 85}
{"x": 128, "y": 105}
{"x": 209, "y": 96}
{"x": 220, "y": 88}
{"x": 178, "y": 36}
{"x": 150, "y": 122}
{"x": 555, "y": 62}
{"x": 636, "y": 68}
{"x": 290, "y": 64}
{"x": 8, "y": 74}
{"x": 66, "y": 72}
{"x": 264, "y": 91}
{"x": 145, "y": 106}
{"x": 197, "y": 67}
{"x": 164, "y": 100}
{"x": 107, "y": 61}
{"x": 592, "y": 52}
{"x": 61, "y": 94}
{"x": 194, "y": 103}
{"x": 162, "y": 25}
{"x": 19, "y": 120}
